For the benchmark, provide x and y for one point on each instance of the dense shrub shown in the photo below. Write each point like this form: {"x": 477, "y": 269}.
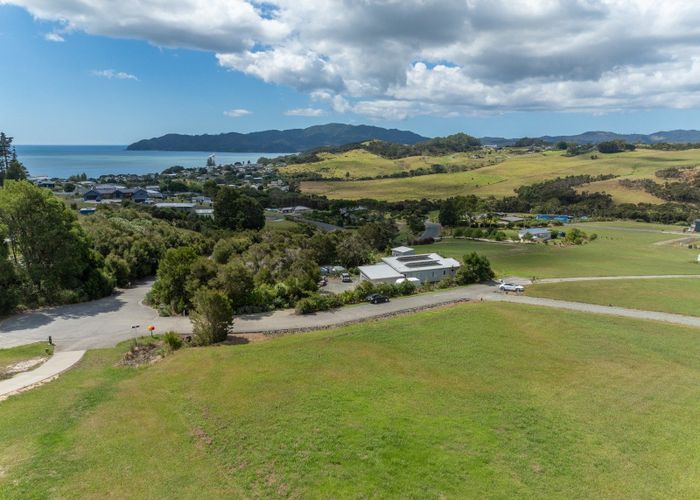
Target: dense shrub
{"x": 475, "y": 269}
{"x": 212, "y": 318}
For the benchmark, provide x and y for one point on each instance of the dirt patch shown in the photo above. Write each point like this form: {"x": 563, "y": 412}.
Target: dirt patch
{"x": 143, "y": 354}
{"x": 201, "y": 437}
{"x": 22, "y": 366}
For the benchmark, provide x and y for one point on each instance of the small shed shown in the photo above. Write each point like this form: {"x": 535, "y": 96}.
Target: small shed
{"x": 402, "y": 250}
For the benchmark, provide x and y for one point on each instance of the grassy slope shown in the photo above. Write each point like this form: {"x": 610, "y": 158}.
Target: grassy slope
{"x": 361, "y": 163}
{"x": 500, "y": 401}
{"x": 629, "y": 250}
{"x": 681, "y": 296}
{"x": 501, "y": 179}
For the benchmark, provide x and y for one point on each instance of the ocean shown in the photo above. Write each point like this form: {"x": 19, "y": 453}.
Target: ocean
{"x": 64, "y": 161}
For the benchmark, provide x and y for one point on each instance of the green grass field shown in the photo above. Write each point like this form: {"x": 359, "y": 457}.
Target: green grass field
{"x": 360, "y": 163}
{"x": 502, "y": 178}
{"x": 678, "y": 295}
{"x": 502, "y": 400}
{"x": 622, "y": 248}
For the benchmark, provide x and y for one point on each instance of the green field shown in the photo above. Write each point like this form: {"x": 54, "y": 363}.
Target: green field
{"x": 622, "y": 249}
{"x": 360, "y": 163}
{"x": 502, "y": 178}
{"x": 678, "y": 295}
{"x": 502, "y": 400}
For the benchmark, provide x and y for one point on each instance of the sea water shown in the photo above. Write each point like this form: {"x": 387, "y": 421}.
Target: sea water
{"x": 64, "y": 161}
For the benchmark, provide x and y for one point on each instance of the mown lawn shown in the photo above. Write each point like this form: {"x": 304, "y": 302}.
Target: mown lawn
{"x": 678, "y": 295}
{"x": 621, "y": 249}
{"x": 480, "y": 400}
{"x": 502, "y": 178}
{"x": 14, "y": 355}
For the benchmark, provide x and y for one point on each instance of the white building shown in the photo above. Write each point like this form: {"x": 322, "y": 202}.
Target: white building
{"x": 428, "y": 268}
{"x": 397, "y": 251}
{"x": 380, "y": 273}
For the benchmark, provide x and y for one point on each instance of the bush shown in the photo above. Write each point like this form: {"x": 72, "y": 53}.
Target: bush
{"x": 212, "y": 316}
{"x": 172, "y": 340}
{"x": 475, "y": 269}
{"x": 317, "y": 302}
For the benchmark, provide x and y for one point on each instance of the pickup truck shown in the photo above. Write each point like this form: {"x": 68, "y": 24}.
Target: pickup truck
{"x": 510, "y": 287}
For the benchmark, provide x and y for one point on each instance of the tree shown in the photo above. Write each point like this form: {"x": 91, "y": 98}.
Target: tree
{"x": 173, "y": 272}
{"x": 475, "y": 269}
{"x": 236, "y": 281}
{"x": 379, "y": 235}
{"x": 235, "y": 211}
{"x": 49, "y": 245}
{"x": 450, "y": 212}
{"x": 212, "y": 317}
{"x": 8, "y": 279}
{"x": 353, "y": 251}
{"x": 15, "y": 169}
{"x": 5, "y": 154}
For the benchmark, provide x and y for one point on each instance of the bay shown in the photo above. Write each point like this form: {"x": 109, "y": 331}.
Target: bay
{"x": 64, "y": 161}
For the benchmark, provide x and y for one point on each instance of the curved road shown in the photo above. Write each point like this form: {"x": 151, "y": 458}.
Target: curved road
{"x": 106, "y": 322}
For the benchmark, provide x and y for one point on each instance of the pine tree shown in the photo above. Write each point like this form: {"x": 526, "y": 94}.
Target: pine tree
{"x": 5, "y": 152}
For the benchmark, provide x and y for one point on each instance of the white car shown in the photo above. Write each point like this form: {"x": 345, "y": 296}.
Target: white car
{"x": 510, "y": 287}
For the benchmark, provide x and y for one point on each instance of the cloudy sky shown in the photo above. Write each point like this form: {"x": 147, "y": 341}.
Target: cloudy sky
{"x": 102, "y": 71}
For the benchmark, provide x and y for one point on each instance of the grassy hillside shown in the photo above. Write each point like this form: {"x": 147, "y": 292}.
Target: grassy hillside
{"x": 680, "y": 296}
{"x": 360, "y": 163}
{"x": 501, "y": 401}
{"x": 502, "y": 178}
{"x": 621, "y": 249}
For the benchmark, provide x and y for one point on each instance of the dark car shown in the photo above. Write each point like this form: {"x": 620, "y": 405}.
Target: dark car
{"x": 377, "y": 298}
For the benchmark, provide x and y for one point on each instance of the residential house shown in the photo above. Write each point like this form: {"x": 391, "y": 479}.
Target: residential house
{"x": 428, "y": 268}
{"x": 535, "y": 234}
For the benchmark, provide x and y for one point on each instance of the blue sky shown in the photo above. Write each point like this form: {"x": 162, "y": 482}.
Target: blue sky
{"x": 61, "y": 92}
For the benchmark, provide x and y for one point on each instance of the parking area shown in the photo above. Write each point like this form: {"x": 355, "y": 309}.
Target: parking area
{"x": 335, "y": 285}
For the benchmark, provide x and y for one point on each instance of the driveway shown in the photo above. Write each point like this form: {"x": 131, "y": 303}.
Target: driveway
{"x": 91, "y": 325}
{"x": 677, "y": 319}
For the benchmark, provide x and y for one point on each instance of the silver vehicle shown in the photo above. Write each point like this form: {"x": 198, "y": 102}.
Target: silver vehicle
{"x": 510, "y": 287}
{"x": 345, "y": 278}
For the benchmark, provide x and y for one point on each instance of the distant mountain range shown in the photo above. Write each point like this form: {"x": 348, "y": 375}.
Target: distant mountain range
{"x": 277, "y": 141}
{"x": 669, "y": 136}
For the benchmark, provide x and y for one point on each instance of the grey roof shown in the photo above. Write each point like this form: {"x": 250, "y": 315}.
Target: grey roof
{"x": 380, "y": 271}
{"x": 408, "y": 263}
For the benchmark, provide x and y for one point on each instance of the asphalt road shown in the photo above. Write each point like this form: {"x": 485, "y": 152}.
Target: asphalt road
{"x": 106, "y": 322}
{"x": 100, "y": 323}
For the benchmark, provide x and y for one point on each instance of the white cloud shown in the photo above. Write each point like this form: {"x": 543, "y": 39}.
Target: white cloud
{"x": 111, "y": 74}
{"x": 401, "y": 58}
{"x": 53, "y": 37}
{"x": 304, "y": 112}
{"x": 237, "y": 113}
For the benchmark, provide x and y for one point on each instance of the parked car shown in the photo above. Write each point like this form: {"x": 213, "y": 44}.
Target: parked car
{"x": 510, "y": 287}
{"x": 323, "y": 282}
{"x": 377, "y": 298}
{"x": 345, "y": 278}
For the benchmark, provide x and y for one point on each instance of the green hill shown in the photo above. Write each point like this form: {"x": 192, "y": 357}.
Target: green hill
{"x": 500, "y": 173}
{"x": 277, "y": 141}
{"x": 501, "y": 400}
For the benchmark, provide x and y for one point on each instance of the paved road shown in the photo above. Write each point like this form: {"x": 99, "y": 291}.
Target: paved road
{"x": 678, "y": 319}
{"x": 432, "y": 230}
{"x": 105, "y": 322}
{"x": 57, "y": 364}
{"x": 287, "y": 320}
{"x": 100, "y": 323}
{"x": 611, "y": 278}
